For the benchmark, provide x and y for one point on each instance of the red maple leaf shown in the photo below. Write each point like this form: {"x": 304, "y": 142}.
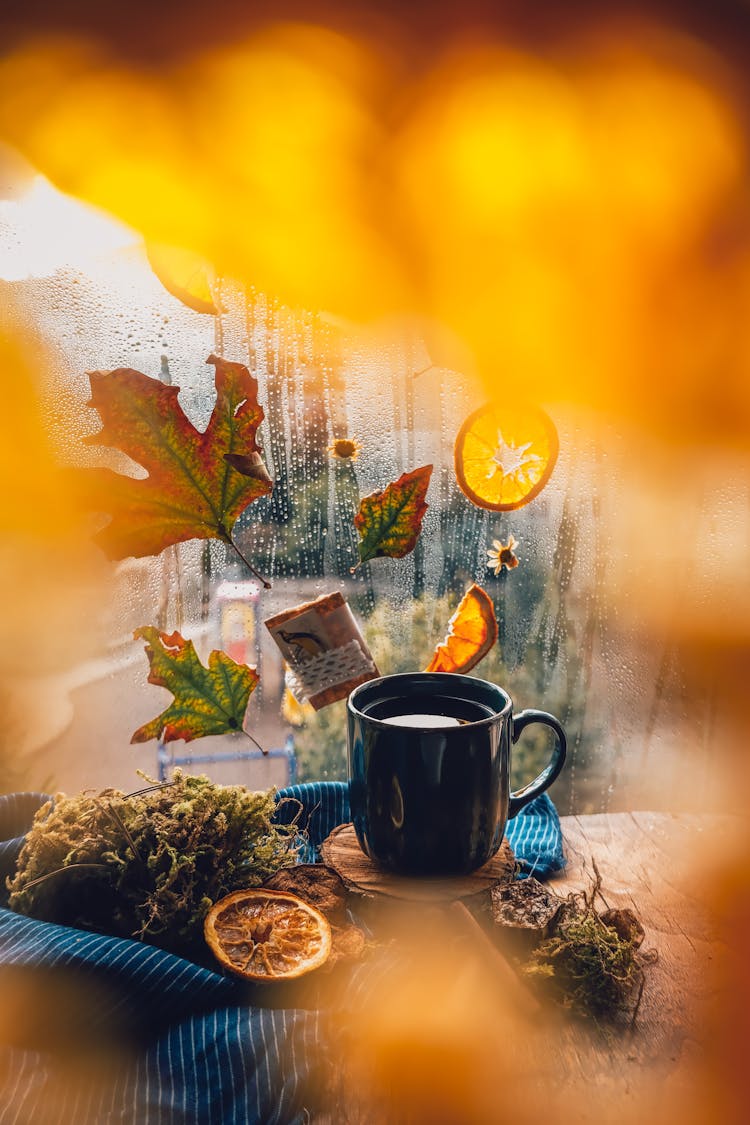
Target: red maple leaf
{"x": 195, "y": 487}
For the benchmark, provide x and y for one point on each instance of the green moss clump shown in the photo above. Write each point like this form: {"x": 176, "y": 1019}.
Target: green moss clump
{"x": 148, "y": 865}
{"x": 589, "y": 966}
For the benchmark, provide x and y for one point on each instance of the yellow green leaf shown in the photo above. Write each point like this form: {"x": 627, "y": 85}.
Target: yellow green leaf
{"x": 207, "y": 700}
{"x": 389, "y": 520}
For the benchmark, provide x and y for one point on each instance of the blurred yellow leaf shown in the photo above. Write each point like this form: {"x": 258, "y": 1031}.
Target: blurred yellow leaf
{"x": 186, "y": 275}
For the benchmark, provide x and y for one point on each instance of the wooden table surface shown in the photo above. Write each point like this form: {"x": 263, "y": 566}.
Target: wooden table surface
{"x": 660, "y": 865}
{"x": 656, "y": 864}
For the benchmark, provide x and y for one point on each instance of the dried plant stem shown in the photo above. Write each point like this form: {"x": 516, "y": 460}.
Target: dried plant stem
{"x": 113, "y": 813}
{"x": 231, "y": 543}
{"x": 149, "y": 788}
{"x": 59, "y": 870}
{"x": 254, "y": 741}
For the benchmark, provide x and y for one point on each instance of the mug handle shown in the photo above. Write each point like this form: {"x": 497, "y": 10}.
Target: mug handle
{"x": 523, "y": 719}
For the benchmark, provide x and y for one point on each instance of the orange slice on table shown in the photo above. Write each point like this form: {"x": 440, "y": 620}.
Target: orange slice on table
{"x": 472, "y": 631}
{"x": 266, "y": 935}
{"x": 504, "y": 455}
{"x": 186, "y": 275}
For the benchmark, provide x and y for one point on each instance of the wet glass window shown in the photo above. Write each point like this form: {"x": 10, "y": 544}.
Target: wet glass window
{"x": 347, "y": 411}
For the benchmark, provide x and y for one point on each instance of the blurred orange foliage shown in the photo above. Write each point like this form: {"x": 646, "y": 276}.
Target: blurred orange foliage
{"x": 48, "y": 569}
{"x": 577, "y": 221}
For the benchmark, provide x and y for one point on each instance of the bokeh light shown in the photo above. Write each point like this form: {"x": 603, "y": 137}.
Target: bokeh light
{"x": 566, "y": 221}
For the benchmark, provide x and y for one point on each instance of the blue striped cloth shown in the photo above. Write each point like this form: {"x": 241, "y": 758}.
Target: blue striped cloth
{"x": 153, "y": 1038}
{"x": 534, "y": 834}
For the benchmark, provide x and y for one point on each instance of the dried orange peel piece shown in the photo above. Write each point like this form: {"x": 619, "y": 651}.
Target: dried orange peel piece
{"x": 266, "y": 935}
{"x": 472, "y": 631}
{"x": 504, "y": 455}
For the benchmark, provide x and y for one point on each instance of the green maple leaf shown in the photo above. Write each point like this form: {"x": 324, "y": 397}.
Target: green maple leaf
{"x": 207, "y": 700}
{"x": 389, "y": 520}
{"x": 197, "y": 483}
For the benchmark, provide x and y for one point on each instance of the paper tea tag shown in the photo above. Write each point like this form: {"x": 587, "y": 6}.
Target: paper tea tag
{"x": 324, "y": 648}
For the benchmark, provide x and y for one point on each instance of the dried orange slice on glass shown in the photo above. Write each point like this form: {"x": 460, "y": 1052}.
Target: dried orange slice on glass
{"x": 504, "y": 455}
{"x": 472, "y": 631}
{"x": 266, "y": 935}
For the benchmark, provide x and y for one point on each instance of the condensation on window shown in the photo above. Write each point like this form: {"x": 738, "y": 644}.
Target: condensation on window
{"x": 565, "y": 644}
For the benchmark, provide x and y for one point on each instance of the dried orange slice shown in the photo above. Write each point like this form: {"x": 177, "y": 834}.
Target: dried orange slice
{"x": 184, "y": 274}
{"x": 266, "y": 935}
{"x": 472, "y": 631}
{"x": 504, "y": 455}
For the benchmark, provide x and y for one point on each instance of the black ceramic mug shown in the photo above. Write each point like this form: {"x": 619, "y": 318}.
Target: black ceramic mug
{"x": 429, "y": 770}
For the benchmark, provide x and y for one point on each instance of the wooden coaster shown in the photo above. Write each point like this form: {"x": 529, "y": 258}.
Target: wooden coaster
{"x": 342, "y": 852}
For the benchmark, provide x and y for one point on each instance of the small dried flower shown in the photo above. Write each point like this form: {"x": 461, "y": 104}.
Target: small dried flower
{"x": 345, "y": 449}
{"x": 501, "y": 555}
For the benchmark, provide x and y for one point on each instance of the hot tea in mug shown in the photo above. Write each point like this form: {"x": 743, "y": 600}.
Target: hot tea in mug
{"x": 429, "y": 770}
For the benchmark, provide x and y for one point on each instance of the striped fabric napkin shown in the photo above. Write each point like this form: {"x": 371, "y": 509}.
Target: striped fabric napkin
{"x": 534, "y": 834}
{"x": 150, "y": 1038}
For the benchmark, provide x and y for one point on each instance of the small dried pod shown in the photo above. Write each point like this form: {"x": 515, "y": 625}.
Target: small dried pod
{"x": 525, "y": 911}
{"x": 348, "y": 943}
{"x": 625, "y": 924}
{"x": 317, "y": 884}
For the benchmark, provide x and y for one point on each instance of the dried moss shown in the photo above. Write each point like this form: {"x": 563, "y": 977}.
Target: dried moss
{"x": 590, "y": 966}
{"x": 149, "y": 864}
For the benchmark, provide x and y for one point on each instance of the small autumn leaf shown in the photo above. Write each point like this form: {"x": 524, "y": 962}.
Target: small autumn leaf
{"x": 193, "y": 490}
{"x": 389, "y": 521}
{"x": 207, "y": 700}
